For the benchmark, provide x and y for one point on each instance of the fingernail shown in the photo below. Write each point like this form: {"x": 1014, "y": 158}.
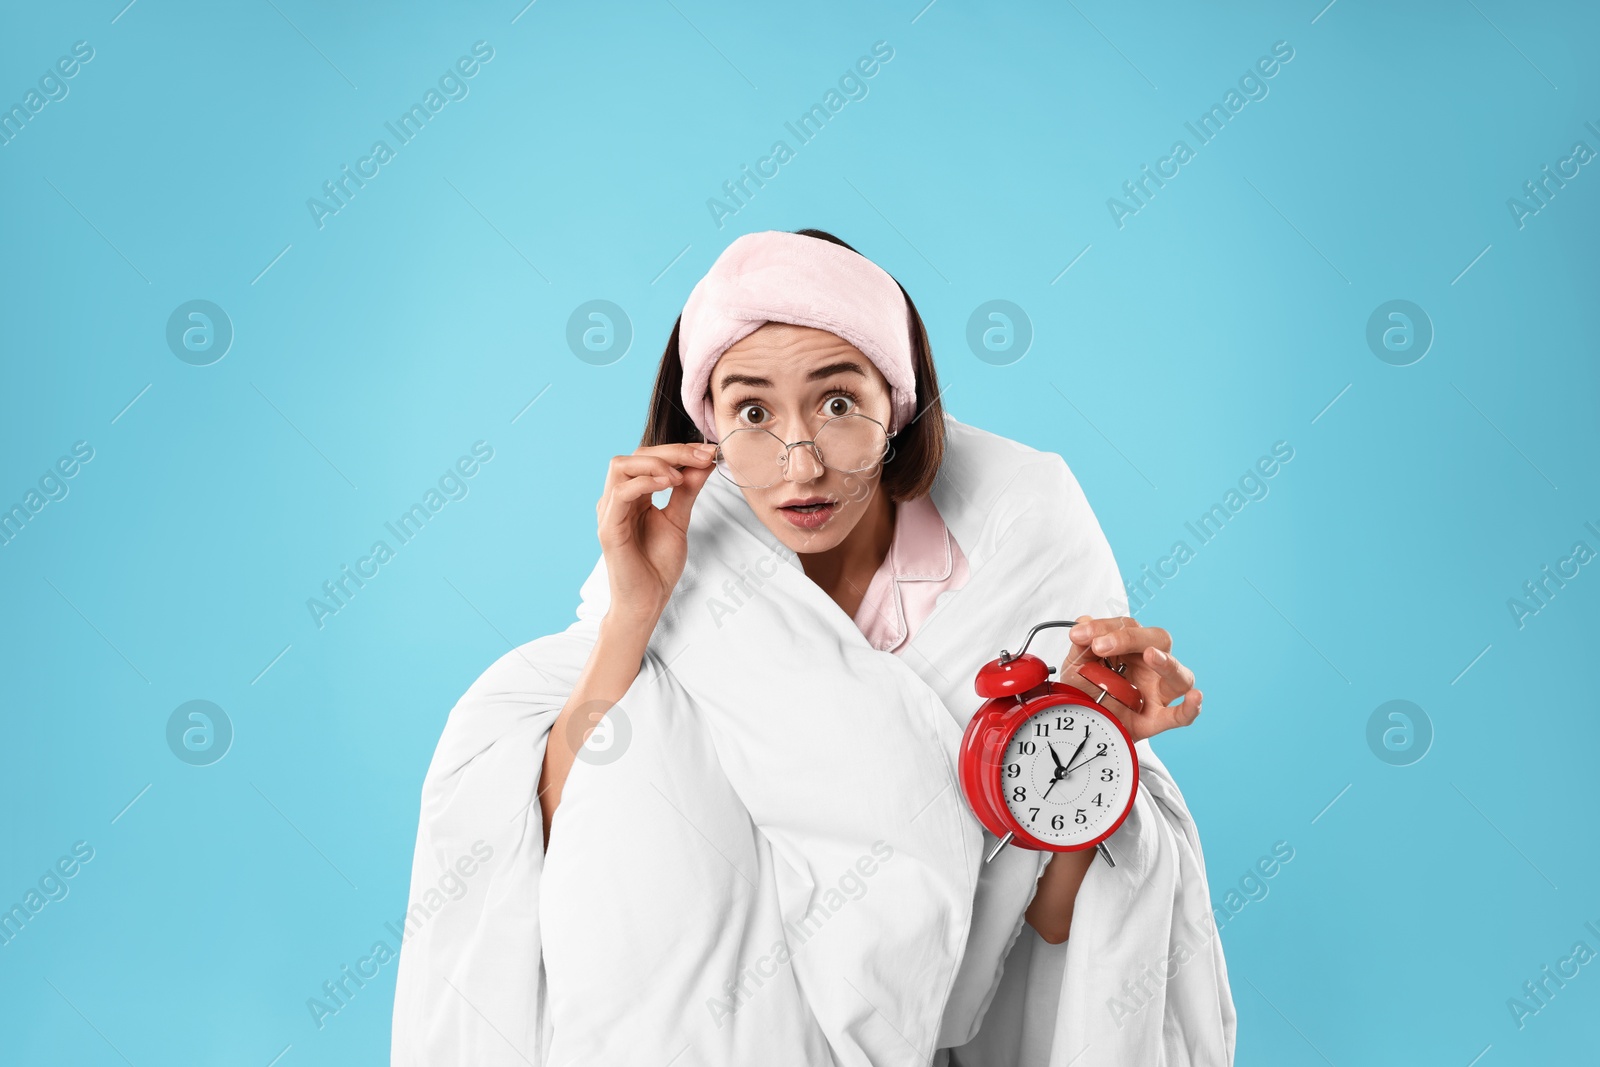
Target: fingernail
{"x": 705, "y": 451}
{"x": 1101, "y": 644}
{"x": 1161, "y": 657}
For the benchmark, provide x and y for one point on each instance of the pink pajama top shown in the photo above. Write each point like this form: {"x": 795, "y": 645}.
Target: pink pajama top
{"x": 923, "y": 562}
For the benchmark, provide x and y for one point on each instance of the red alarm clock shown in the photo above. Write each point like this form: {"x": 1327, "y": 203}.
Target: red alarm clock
{"x": 1044, "y": 765}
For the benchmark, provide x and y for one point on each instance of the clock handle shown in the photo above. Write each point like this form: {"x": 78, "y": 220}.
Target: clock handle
{"x": 1007, "y": 656}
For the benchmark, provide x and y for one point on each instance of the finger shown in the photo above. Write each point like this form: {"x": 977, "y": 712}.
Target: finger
{"x": 1087, "y": 628}
{"x": 1088, "y": 632}
{"x": 698, "y": 454}
{"x": 1083, "y": 631}
{"x": 1180, "y": 714}
{"x": 624, "y": 467}
{"x": 684, "y": 495}
{"x": 619, "y": 507}
{"x": 1155, "y": 719}
{"x": 661, "y": 459}
{"x": 1130, "y": 640}
{"x": 1175, "y": 677}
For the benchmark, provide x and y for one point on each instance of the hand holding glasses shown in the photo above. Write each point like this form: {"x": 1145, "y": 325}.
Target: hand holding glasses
{"x": 754, "y": 458}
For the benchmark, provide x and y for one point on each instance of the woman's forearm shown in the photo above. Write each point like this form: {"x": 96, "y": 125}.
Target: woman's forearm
{"x": 1051, "y": 911}
{"x": 612, "y": 666}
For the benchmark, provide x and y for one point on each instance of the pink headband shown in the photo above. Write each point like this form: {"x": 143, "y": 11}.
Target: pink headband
{"x": 773, "y": 276}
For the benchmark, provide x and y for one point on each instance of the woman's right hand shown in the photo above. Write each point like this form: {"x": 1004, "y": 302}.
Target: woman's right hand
{"x": 645, "y": 546}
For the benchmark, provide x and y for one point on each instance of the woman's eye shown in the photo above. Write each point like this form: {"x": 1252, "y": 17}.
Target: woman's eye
{"x": 839, "y": 405}
{"x": 754, "y": 414}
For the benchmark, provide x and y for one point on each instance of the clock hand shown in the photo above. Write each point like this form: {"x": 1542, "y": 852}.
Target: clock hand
{"x": 1068, "y": 769}
{"x": 1052, "y": 748}
{"x": 1086, "y": 762}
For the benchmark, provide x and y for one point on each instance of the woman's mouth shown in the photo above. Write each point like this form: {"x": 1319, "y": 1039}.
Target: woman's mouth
{"x": 809, "y": 514}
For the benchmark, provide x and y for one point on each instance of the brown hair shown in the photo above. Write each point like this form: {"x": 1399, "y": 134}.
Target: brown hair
{"x": 915, "y": 452}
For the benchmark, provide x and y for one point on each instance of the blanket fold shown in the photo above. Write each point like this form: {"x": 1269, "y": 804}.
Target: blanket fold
{"x": 763, "y": 854}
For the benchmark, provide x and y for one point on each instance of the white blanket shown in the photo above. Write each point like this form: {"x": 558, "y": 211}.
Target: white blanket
{"x": 765, "y": 858}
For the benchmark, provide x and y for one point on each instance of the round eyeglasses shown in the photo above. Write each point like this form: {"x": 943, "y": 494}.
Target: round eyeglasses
{"x": 754, "y": 458}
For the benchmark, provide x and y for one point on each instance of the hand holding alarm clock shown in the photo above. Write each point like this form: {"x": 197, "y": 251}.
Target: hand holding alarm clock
{"x": 1051, "y": 765}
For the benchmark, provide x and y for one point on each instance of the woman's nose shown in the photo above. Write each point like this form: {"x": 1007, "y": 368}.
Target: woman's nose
{"x": 803, "y": 465}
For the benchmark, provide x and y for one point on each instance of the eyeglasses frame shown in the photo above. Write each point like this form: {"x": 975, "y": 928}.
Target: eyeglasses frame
{"x": 783, "y": 463}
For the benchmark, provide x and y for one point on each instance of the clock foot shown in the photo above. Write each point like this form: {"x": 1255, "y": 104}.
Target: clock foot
{"x": 1106, "y": 852}
{"x": 998, "y": 845}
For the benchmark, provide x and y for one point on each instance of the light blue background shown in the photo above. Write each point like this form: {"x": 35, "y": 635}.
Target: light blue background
{"x": 1228, "y": 314}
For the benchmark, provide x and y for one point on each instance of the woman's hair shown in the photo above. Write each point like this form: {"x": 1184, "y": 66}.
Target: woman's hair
{"x": 915, "y": 452}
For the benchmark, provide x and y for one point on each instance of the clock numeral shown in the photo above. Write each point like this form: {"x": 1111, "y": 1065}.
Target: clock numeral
{"x": 1102, "y": 751}
{"x": 1041, "y": 729}
{"x": 1013, "y": 770}
{"x": 1081, "y": 817}
{"x": 1019, "y": 794}
{"x": 1034, "y": 815}
{"x": 1106, "y": 774}
{"x": 1063, "y": 722}
{"x": 1097, "y": 801}
{"x": 1056, "y": 823}
{"x": 1026, "y": 748}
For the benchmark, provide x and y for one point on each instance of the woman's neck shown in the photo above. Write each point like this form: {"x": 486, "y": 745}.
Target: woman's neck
{"x": 844, "y": 571}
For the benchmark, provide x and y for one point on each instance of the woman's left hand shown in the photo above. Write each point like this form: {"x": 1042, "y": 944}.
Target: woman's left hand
{"x": 1145, "y": 652}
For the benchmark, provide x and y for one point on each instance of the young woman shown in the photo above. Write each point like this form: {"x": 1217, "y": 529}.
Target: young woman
{"x": 790, "y": 380}
{"x": 770, "y": 747}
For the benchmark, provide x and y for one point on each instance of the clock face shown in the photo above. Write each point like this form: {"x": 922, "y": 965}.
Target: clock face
{"x": 1067, "y": 774}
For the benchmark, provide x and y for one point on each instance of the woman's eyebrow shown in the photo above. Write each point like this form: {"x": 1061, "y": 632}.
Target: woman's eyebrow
{"x": 845, "y": 366}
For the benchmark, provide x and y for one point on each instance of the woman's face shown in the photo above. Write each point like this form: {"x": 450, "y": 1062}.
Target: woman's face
{"x": 790, "y": 380}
